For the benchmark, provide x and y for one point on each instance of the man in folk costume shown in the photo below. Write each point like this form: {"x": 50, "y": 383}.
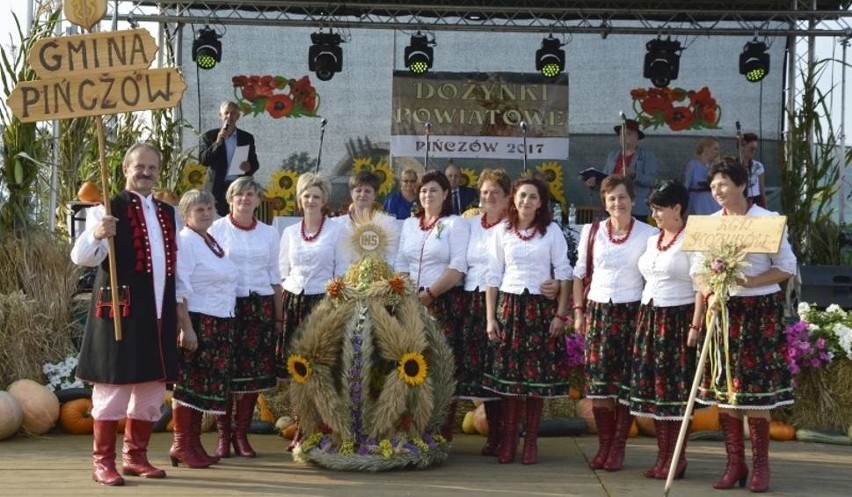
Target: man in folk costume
{"x": 130, "y": 375}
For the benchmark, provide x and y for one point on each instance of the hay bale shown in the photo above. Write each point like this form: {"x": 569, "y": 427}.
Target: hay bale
{"x": 823, "y": 398}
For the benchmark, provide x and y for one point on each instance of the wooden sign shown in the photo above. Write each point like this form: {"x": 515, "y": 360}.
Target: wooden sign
{"x": 752, "y": 234}
{"x": 93, "y": 53}
{"x": 85, "y": 13}
{"x": 99, "y": 94}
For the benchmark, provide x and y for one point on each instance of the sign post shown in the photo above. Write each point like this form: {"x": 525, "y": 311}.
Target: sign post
{"x": 92, "y": 75}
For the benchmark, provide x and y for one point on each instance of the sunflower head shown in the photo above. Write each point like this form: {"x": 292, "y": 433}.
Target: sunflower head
{"x": 412, "y": 368}
{"x": 299, "y": 368}
{"x": 468, "y": 177}
{"x": 283, "y": 179}
{"x": 360, "y": 163}
{"x": 386, "y": 178}
{"x": 280, "y": 201}
{"x": 194, "y": 177}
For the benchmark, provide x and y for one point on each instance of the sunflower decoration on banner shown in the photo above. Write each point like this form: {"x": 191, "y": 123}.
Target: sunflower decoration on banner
{"x": 372, "y": 373}
{"x": 551, "y": 172}
{"x": 194, "y": 176}
{"x": 276, "y": 95}
{"x": 381, "y": 169}
{"x": 468, "y": 178}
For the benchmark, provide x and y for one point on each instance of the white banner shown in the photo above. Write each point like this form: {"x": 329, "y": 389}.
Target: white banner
{"x": 480, "y": 147}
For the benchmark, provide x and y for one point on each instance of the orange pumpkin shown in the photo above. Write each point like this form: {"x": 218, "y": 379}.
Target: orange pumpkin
{"x": 290, "y": 431}
{"x": 646, "y": 426}
{"x": 634, "y": 430}
{"x": 781, "y": 432}
{"x": 583, "y": 409}
{"x": 89, "y": 192}
{"x": 706, "y": 419}
{"x": 75, "y": 416}
{"x": 40, "y": 406}
{"x": 574, "y": 394}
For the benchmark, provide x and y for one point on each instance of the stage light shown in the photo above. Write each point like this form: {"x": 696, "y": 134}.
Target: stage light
{"x": 754, "y": 61}
{"x": 662, "y": 62}
{"x": 418, "y": 54}
{"x": 550, "y": 58}
{"x": 325, "y": 56}
{"x": 206, "y": 48}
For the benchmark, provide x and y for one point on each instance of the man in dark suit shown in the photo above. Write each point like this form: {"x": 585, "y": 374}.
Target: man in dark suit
{"x": 462, "y": 197}
{"x": 217, "y": 149}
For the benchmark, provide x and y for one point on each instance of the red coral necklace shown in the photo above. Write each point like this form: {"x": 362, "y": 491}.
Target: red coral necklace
{"x": 310, "y": 238}
{"x": 612, "y": 238}
{"x": 663, "y": 248}
{"x": 529, "y": 237}
{"x": 243, "y": 227}
{"x": 485, "y": 224}
{"x": 425, "y": 227}
{"x": 212, "y": 244}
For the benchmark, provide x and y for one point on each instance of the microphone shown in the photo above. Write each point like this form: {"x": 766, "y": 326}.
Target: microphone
{"x": 621, "y": 115}
{"x": 428, "y": 126}
{"x": 523, "y": 125}
{"x": 323, "y": 122}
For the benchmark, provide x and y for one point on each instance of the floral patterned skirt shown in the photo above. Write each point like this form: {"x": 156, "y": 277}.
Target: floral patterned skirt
{"x": 609, "y": 349}
{"x": 760, "y": 374}
{"x": 663, "y": 365}
{"x": 253, "y": 345}
{"x": 528, "y": 362}
{"x": 474, "y": 348}
{"x": 297, "y": 307}
{"x": 204, "y": 375}
{"x": 447, "y": 310}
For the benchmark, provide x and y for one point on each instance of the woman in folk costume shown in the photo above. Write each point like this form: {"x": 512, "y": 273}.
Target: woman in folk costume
{"x": 607, "y": 315}
{"x": 529, "y": 360}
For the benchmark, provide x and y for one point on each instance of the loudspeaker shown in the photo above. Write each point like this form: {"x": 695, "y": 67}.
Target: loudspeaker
{"x": 826, "y": 285}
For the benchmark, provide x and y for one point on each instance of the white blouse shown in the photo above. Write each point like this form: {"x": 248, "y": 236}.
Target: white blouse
{"x": 784, "y": 260}
{"x": 478, "y": 250}
{"x": 425, "y": 255}
{"x": 207, "y": 283}
{"x": 308, "y": 266}
{"x": 667, "y": 279}
{"x": 515, "y": 265}
{"x": 254, "y": 252}
{"x": 616, "y": 277}
{"x": 389, "y": 224}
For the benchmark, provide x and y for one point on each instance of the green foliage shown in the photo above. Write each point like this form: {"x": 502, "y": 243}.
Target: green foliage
{"x": 300, "y": 162}
{"x": 810, "y": 175}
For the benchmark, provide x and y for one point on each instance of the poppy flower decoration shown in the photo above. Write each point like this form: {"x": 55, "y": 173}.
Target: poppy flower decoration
{"x": 676, "y": 108}
{"x": 412, "y": 368}
{"x": 299, "y": 368}
{"x": 276, "y": 95}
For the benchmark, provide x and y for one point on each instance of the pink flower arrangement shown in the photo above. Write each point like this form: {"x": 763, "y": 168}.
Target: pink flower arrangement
{"x": 575, "y": 343}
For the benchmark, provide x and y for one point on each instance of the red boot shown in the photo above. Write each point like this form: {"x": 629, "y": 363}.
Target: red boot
{"x": 449, "y": 422}
{"x": 759, "y": 428}
{"x": 223, "y": 430}
{"x": 183, "y": 449}
{"x": 661, "y": 427}
{"x": 605, "y": 421}
{"x": 197, "y": 417}
{"x": 137, "y": 434}
{"x": 243, "y": 414}
{"x": 494, "y": 416}
{"x": 534, "y": 407}
{"x": 736, "y": 471}
{"x": 103, "y": 454}
{"x": 509, "y": 443}
{"x": 623, "y": 422}
{"x": 673, "y": 429}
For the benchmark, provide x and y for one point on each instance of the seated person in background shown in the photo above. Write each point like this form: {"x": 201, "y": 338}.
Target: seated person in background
{"x": 634, "y": 162}
{"x": 462, "y": 197}
{"x": 399, "y": 203}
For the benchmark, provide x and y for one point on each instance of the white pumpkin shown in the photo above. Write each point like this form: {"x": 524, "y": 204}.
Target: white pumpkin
{"x": 11, "y": 415}
{"x": 40, "y": 406}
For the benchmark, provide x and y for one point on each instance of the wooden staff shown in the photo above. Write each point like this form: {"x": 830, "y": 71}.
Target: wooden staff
{"x": 690, "y": 404}
{"x": 113, "y": 274}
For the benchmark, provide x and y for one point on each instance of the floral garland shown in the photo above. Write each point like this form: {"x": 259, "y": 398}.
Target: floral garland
{"x": 276, "y": 95}
{"x": 676, "y": 108}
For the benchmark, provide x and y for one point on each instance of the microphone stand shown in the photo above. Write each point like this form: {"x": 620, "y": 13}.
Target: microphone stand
{"x": 740, "y": 144}
{"x": 624, "y": 164}
{"x": 524, "y": 130}
{"x": 426, "y": 157}
{"x": 319, "y": 151}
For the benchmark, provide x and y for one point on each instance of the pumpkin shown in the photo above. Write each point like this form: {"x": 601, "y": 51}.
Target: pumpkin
{"x": 40, "y": 406}
{"x": 467, "y": 423}
{"x": 75, "y": 417}
{"x": 583, "y": 408}
{"x": 781, "y": 432}
{"x": 480, "y": 421}
{"x": 289, "y": 431}
{"x": 89, "y": 192}
{"x": 266, "y": 413}
{"x": 574, "y": 394}
{"x": 646, "y": 426}
{"x": 706, "y": 419}
{"x": 11, "y": 415}
{"x": 634, "y": 430}
{"x": 122, "y": 423}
